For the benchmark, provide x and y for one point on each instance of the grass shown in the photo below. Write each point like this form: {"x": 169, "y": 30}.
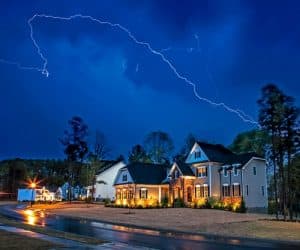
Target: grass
{"x": 15, "y": 241}
{"x": 263, "y": 229}
{"x": 51, "y": 232}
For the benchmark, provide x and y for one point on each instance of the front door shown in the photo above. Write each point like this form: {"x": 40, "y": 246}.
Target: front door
{"x": 189, "y": 194}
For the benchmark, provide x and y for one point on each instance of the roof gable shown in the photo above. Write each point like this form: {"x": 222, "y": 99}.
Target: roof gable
{"x": 193, "y": 157}
{"x": 183, "y": 168}
{"x": 146, "y": 173}
{"x": 120, "y": 176}
{"x": 106, "y": 165}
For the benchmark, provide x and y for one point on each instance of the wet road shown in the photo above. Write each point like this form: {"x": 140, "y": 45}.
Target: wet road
{"x": 139, "y": 237}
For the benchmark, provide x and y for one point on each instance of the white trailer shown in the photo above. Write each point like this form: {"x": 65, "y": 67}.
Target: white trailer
{"x": 26, "y": 194}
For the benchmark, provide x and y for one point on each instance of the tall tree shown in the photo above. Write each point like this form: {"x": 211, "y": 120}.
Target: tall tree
{"x": 270, "y": 119}
{"x": 75, "y": 147}
{"x": 159, "y": 146}
{"x": 278, "y": 117}
{"x": 250, "y": 141}
{"x": 290, "y": 134}
{"x": 138, "y": 154}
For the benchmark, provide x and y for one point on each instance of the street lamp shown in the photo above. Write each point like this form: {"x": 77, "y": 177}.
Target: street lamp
{"x": 32, "y": 186}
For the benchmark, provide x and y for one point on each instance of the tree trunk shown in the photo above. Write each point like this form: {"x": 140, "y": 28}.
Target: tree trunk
{"x": 289, "y": 191}
{"x": 275, "y": 179}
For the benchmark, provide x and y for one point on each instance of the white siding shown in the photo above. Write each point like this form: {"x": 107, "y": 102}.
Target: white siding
{"x": 191, "y": 157}
{"x": 108, "y": 176}
{"x": 119, "y": 178}
{"x": 255, "y": 198}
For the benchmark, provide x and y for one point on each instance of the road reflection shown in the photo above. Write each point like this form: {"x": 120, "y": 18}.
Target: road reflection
{"x": 34, "y": 217}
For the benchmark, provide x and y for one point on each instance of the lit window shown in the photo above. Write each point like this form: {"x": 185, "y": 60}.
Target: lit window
{"x": 124, "y": 177}
{"x": 197, "y": 191}
{"x": 124, "y": 194}
{"x": 236, "y": 189}
{"x": 118, "y": 194}
{"x": 201, "y": 191}
{"x": 130, "y": 194}
{"x": 143, "y": 193}
{"x": 254, "y": 170}
{"x": 202, "y": 172}
{"x": 226, "y": 190}
{"x": 205, "y": 190}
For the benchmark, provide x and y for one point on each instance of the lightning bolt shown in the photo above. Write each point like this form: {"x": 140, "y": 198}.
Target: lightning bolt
{"x": 20, "y": 66}
{"x": 147, "y": 45}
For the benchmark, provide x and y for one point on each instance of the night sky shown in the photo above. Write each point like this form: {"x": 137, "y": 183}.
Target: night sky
{"x": 230, "y": 49}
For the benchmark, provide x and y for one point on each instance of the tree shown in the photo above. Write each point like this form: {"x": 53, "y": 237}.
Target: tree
{"x": 187, "y": 146}
{"x": 278, "y": 118}
{"x": 290, "y": 134}
{"x": 138, "y": 154}
{"x": 270, "y": 119}
{"x": 101, "y": 148}
{"x": 75, "y": 147}
{"x": 158, "y": 146}
{"x": 99, "y": 152}
{"x": 250, "y": 141}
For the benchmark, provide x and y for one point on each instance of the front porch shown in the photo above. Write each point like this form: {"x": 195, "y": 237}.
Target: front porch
{"x": 135, "y": 195}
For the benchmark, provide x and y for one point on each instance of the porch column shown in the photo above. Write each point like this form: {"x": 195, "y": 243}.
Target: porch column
{"x": 159, "y": 194}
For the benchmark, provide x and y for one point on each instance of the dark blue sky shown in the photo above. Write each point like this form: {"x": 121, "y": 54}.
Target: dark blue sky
{"x": 230, "y": 49}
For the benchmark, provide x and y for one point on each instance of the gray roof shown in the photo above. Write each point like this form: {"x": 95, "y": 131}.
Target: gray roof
{"x": 106, "y": 164}
{"x": 216, "y": 152}
{"x": 185, "y": 169}
{"x": 147, "y": 173}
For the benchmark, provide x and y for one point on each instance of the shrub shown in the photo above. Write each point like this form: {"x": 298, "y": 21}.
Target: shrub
{"x": 89, "y": 199}
{"x": 107, "y": 201}
{"x": 178, "y": 202}
{"x": 242, "y": 207}
{"x": 165, "y": 201}
{"x": 139, "y": 206}
{"x": 271, "y": 207}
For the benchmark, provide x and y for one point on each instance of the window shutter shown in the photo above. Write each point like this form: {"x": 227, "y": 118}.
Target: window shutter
{"x": 208, "y": 191}
{"x": 147, "y": 194}
{"x": 140, "y": 193}
{"x": 206, "y": 171}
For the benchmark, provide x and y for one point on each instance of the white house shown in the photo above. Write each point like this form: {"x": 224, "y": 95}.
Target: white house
{"x": 105, "y": 178}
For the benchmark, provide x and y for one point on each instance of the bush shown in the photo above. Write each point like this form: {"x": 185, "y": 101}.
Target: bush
{"x": 107, "y": 201}
{"x": 165, "y": 201}
{"x": 89, "y": 199}
{"x": 139, "y": 206}
{"x": 178, "y": 203}
{"x": 271, "y": 207}
{"x": 242, "y": 208}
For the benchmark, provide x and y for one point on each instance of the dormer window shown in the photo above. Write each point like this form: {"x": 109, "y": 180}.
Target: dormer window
{"x": 124, "y": 177}
{"x": 176, "y": 173}
{"x": 197, "y": 154}
{"x": 225, "y": 172}
{"x": 235, "y": 171}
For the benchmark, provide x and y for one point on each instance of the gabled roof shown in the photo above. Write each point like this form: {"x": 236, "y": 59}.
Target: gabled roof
{"x": 242, "y": 158}
{"x": 185, "y": 169}
{"x": 105, "y": 165}
{"x": 147, "y": 173}
{"x": 216, "y": 152}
